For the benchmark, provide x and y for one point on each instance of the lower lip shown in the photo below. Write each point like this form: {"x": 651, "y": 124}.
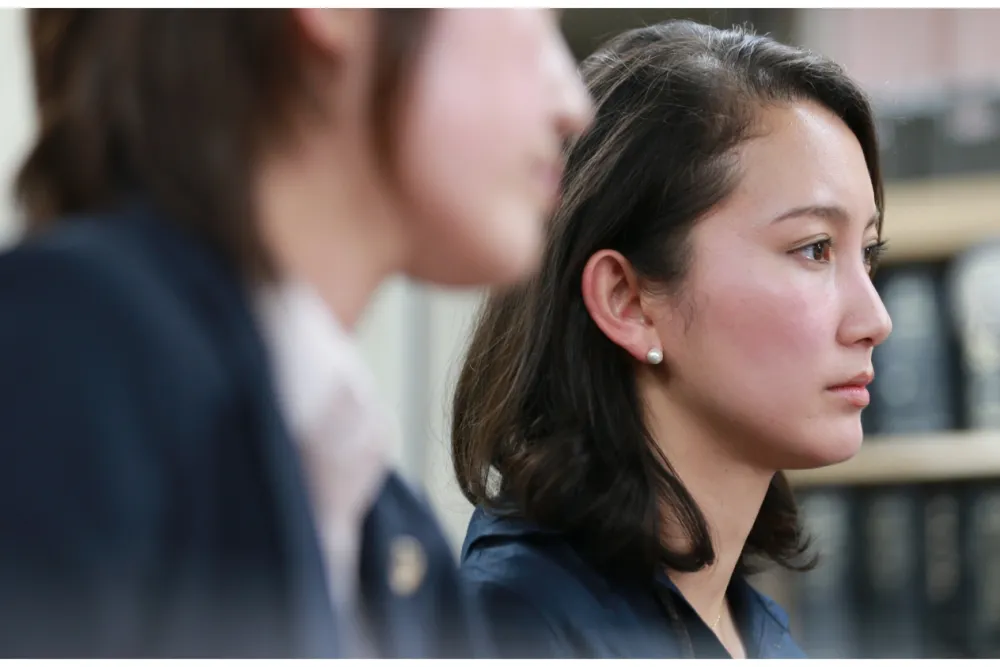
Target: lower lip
{"x": 856, "y": 395}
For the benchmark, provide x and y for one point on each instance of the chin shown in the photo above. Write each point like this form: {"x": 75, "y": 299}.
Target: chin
{"x": 515, "y": 258}
{"x": 467, "y": 269}
{"x": 506, "y": 262}
{"x": 838, "y": 443}
{"x": 502, "y": 253}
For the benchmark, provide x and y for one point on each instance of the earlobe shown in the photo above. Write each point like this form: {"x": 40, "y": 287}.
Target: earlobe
{"x": 612, "y": 296}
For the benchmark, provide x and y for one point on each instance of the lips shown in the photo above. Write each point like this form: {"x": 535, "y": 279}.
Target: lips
{"x": 861, "y": 380}
{"x": 855, "y": 390}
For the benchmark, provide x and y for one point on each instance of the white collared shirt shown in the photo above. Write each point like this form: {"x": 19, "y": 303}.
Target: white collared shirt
{"x": 329, "y": 399}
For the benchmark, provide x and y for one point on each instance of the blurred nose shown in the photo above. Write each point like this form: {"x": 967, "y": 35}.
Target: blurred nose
{"x": 574, "y": 105}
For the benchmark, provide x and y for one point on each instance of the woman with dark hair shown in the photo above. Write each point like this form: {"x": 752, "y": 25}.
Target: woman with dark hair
{"x": 194, "y": 461}
{"x": 704, "y": 319}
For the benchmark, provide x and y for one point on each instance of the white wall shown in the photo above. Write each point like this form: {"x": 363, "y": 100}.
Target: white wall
{"x": 411, "y": 336}
{"x": 451, "y": 318}
{"x": 16, "y": 118}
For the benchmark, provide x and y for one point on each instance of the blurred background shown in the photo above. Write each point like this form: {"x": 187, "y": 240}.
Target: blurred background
{"x": 909, "y": 530}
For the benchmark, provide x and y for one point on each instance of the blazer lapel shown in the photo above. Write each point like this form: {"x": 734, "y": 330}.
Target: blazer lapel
{"x": 221, "y": 302}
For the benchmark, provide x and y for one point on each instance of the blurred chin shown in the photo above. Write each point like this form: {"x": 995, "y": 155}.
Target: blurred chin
{"x": 503, "y": 252}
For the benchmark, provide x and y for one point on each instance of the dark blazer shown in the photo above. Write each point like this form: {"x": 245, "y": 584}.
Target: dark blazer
{"x": 543, "y": 600}
{"x": 151, "y": 499}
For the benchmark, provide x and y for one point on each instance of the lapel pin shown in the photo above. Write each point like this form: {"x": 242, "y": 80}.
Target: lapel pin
{"x": 407, "y": 565}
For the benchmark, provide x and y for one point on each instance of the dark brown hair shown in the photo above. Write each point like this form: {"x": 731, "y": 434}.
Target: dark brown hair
{"x": 544, "y": 398}
{"x": 179, "y": 104}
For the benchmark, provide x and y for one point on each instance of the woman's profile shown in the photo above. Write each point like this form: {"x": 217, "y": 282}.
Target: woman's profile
{"x": 703, "y": 320}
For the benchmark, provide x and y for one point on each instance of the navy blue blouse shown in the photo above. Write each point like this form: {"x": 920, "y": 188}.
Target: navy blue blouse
{"x": 542, "y": 599}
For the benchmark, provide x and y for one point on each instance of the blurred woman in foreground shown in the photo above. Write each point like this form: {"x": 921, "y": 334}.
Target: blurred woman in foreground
{"x": 194, "y": 461}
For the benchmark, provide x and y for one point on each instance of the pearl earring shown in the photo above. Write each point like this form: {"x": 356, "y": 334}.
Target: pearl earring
{"x": 654, "y": 356}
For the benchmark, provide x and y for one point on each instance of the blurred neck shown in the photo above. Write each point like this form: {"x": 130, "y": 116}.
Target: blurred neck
{"x": 329, "y": 223}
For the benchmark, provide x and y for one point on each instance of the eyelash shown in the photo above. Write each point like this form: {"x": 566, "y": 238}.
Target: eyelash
{"x": 873, "y": 253}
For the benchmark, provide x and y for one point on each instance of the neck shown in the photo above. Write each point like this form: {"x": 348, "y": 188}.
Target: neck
{"x": 330, "y": 226}
{"x": 728, "y": 491}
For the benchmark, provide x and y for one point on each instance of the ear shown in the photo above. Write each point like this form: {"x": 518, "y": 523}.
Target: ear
{"x": 335, "y": 33}
{"x": 612, "y": 296}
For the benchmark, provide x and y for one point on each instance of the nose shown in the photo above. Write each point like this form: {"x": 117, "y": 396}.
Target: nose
{"x": 574, "y": 104}
{"x": 866, "y": 320}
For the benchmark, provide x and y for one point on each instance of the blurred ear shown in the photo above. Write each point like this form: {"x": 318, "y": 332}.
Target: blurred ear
{"x": 335, "y": 33}
{"x": 612, "y": 296}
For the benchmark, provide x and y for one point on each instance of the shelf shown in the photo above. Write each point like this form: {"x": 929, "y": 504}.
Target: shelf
{"x": 936, "y": 457}
{"x": 934, "y": 219}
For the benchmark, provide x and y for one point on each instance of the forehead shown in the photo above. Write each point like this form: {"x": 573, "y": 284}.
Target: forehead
{"x": 500, "y": 31}
{"x": 496, "y": 52}
{"x": 803, "y": 155}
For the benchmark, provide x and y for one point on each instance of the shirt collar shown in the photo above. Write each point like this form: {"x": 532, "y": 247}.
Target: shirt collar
{"x": 328, "y": 396}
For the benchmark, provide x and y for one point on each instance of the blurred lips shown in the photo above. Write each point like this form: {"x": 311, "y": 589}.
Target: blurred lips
{"x": 551, "y": 174}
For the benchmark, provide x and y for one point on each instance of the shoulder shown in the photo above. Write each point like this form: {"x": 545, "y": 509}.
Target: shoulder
{"x": 760, "y": 604}
{"x": 81, "y": 269}
{"x": 541, "y": 598}
{"x": 92, "y": 291}
{"x": 775, "y": 636}
{"x": 95, "y": 339}
{"x": 773, "y": 609}
{"x": 516, "y": 553}
{"x": 94, "y": 378}
{"x": 122, "y": 254}
{"x": 508, "y": 561}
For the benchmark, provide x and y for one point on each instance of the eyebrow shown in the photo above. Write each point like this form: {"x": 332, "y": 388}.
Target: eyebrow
{"x": 832, "y": 213}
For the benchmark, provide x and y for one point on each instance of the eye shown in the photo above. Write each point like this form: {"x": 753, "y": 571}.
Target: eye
{"x": 873, "y": 254}
{"x": 818, "y": 251}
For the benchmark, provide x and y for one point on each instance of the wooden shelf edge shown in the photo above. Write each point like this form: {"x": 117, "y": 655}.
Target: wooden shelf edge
{"x": 909, "y": 459}
{"x": 936, "y": 218}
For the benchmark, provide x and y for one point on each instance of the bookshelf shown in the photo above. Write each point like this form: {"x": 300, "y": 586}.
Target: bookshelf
{"x": 910, "y": 459}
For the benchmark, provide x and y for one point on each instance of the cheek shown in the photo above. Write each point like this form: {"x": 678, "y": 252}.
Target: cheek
{"x": 476, "y": 109}
{"x": 466, "y": 167}
{"x": 768, "y": 337}
{"x": 451, "y": 160}
{"x": 465, "y": 205}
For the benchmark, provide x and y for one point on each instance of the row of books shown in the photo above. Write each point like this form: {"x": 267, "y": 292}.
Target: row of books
{"x": 909, "y": 571}
{"x": 940, "y": 368}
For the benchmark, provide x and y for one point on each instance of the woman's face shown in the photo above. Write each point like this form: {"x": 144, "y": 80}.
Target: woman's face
{"x": 495, "y": 95}
{"x": 781, "y": 317}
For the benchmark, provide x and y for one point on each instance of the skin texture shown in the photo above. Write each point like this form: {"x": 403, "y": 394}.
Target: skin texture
{"x": 777, "y": 308}
{"x": 491, "y": 99}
